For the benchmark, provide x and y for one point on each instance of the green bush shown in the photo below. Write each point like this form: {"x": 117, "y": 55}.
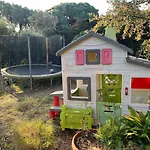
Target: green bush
{"x": 34, "y": 135}
{"x": 137, "y": 126}
{"x": 110, "y": 134}
{"x": 128, "y": 133}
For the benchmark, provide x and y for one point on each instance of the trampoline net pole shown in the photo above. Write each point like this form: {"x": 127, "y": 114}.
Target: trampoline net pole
{"x": 1, "y": 80}
{"x": 29, "y": 54}
{"x": 51, "y": 81}
{"x": 46, "y": 54}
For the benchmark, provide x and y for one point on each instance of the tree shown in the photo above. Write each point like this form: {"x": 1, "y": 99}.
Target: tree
{"x": 72, "y": 18}
{"x": 131, "y": 23}
{"x": 15, "y": 14}
{"x": 43, "y": 23}
{"x": 20, "y": 16}
{"x": 6, "y": 28}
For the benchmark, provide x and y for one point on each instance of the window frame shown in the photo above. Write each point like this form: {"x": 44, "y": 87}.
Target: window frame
{"x": 98, "y": 56}
{"x": 76, "y": 98}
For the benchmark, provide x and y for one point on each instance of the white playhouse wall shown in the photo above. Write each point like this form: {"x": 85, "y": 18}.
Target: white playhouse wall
{"x": 118, "y": 66}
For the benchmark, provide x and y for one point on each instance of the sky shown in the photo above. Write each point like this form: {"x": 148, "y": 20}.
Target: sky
{"x": 101, "y": 5}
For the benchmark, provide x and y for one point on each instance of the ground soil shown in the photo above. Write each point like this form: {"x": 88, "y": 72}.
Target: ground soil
{"x": 63, "y": 138}
{"x": 39, "y": 91}
{"x": 86, "y": 141}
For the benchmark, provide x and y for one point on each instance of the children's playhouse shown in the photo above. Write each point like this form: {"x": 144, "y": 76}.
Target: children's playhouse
{"x": 100, "y": 79}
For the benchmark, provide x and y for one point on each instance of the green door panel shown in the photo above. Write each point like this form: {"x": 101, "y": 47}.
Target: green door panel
{"x": 105, "y": 110}
{"x": 111, "y": 88}
{"x": 110, "y": 98}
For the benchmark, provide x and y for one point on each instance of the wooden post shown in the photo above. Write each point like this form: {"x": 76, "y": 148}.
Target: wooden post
{"x": 29, "y": 54}
{"x": 46, "y": 54}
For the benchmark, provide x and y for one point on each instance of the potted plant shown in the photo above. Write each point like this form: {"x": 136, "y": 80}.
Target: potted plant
{"x": 85, "y": 139}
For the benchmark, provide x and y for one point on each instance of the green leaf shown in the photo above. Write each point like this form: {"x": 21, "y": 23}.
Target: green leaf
{"x": 145, "y": 135}
{"x": 147, "y": 120}
{"x": 132, "y": 111}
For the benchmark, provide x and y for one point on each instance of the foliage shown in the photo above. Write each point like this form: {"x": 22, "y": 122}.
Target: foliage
{"x": 134, "y": 131}
{"x": 137, "y": 126}
{"x": 131, "y": 23}
{"x": 26, "y": 104}
{"x": 80, "y": 34}
{"x": 110, "y": 134}
{"x": 145, "y": 47}
{"x": 72, "y": 18}
{"x": 16, "y": 14}
{"x": 6, "y": 28}
{"x": 30, "y": 31}
{"x": 34, "y": 135}
{"x": 43, "y": 22}
{"x": 36, "y": 107}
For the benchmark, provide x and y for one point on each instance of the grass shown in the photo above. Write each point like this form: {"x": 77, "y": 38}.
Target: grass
{"x": 34, "y": 135}
{"x": 14, "y": 110}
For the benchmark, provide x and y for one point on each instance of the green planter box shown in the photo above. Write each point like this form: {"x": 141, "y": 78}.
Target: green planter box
{"x": 76, "y": 118}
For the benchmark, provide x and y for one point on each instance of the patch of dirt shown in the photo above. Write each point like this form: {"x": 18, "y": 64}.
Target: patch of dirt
{"x": 9, "y": 103}
{"x": 87, "y": 141}
{"x": 37, "y": 92}
{"x": 64, "y": 139}
{"x": 40, "y": 91}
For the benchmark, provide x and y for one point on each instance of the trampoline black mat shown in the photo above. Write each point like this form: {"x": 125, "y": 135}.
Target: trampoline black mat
{"x": 38, "y": 69}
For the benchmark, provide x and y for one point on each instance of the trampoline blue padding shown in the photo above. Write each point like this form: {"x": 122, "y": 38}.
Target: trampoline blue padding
{"x": 37, "y": 71}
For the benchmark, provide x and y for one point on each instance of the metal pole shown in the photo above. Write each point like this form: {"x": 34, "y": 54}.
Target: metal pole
{"x": 63, "y": 41}
{"x": 46, "y": 54}
{"x": 51, "y": 81}
{"x": 29, "y": 54}
{"x": 1, "y": 87}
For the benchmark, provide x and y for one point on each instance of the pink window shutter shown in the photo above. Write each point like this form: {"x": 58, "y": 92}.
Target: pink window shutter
{"x": 79, "y": 57}
{"x": 107, "y": 56}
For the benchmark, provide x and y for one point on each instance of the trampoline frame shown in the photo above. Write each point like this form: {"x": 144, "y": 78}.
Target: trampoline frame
{"x": 30, "y": 76}
{"x": 6, "y": 74}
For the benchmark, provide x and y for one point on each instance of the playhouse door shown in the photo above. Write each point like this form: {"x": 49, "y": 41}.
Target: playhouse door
{"x": 109, "y": 104}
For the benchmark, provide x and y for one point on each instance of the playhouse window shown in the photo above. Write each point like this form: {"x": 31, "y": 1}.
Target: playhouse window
{"x": 93, "y": 56}
{"x": 79, "y": 88}
{"x": 140, "y": 90}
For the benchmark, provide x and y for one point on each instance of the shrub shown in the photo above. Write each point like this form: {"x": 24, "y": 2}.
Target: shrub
{"x": 131, "y": 134}
{"x": 46, "y": 100}
{"x": 34, "y": 135}
{"x": 137, "y": 126}
{"x": 25, "y": 104}
{"x": 110, "y": 135}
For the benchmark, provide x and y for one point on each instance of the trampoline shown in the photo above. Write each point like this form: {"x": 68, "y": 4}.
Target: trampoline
{"x": 32, "y": 71}
{"x": 37, "y": 71}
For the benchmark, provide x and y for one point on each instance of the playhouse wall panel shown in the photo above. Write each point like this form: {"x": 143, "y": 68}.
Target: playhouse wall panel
{"x": 126, "y": 99}
{"x": 132, "y": 69}
{"x": 92, "y": 41}
{"x": 118, "y": 66}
